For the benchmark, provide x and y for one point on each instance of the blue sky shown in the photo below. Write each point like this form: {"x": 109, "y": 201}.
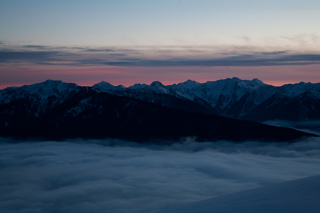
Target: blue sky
{"x": 156, "y": 30}
{"x": 165, "y": 22}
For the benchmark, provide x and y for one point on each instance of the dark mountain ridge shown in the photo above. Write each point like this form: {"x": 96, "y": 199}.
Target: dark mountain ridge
{"x": 54, "y": 110}
{"x": 236, "y": 98}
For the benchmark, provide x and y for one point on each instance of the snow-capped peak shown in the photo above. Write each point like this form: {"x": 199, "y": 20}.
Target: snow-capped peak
{"x": 48, "y": 87}
{"x": 292, "y": 90}
{"x": 154, "y": 87}
{"x": 105, "y": 86}
{"x": 42, "y": 95}
{"x": 159, "y": 87}
{"x": 257, "y": 82}
{"x": 187, "y": 84}
{"x": 138, "y": 86}
{"x": 253, "y": 84}
{"x": 156, "y": 84}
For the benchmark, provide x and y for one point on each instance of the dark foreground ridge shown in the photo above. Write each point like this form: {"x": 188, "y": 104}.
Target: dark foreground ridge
{"x": 70, "y": 111}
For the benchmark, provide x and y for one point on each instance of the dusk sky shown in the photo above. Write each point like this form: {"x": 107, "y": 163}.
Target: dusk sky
{"x": 140, "y": 41}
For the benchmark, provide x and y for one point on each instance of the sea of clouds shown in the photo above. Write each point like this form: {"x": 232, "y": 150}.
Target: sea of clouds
{"x": 117, "y": 176}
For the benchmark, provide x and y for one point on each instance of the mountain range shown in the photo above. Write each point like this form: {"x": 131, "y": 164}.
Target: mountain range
{"x": 228, "y": 109}
{"x": 233, "y": 97}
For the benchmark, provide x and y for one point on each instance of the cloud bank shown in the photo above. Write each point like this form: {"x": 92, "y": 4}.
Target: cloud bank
{"x": 127, "y": 65}
{"x": 153, "y": 56}
{"x": 117, "y": 176}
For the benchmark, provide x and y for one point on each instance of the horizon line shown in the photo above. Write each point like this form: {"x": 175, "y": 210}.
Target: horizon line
{"x": 142, "y": 83}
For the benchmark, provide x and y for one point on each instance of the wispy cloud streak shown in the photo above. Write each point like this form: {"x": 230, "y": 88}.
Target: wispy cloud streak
{"x": 38, "y": 54}
{"x": 37, "y": 57}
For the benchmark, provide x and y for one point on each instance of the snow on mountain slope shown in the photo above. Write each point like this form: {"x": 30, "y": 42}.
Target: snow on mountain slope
{"x": 107, "y": 87}
{"x": 155, "y": 93}
{"x": 154, "y": 87}
{"x": 293, "y": 90}
{"x": 244, "y": 99}
{"x": 294, "y": 102}
{"x": 250, "y": 101}
{"x": 219, "y": 94}
{"x": 293, "y": 196}
{"x": 41, "y": 96}
{"x": 232, "y": 97}
{"x": 223, "y": 93}
{"x": 42, "y": 90}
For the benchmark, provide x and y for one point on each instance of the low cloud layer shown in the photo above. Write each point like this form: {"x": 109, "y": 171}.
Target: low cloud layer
{"x": 116, "y": 176}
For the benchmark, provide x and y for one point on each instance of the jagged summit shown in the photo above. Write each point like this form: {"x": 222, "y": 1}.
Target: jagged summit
{"x": 235, "y": 78}
{"x": 190, "y": 81}
{"x": 42, "y": 89}
{"x": 156, "y": 84}
{"x": 52, "y": 81}
{"x": 154, "y": 87}
{"x": 47, "y": 83}
{"x": 187, "y": 84}
{"x": 257, "y": 81}
{"x": 254, "y": 83}
{"x": 103, "y": 83}
{"x": 105, "y": 86}
{"x": 137, "y": 86}
{"x": 155, "y": 111}
{"x": 233, "y": 97}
